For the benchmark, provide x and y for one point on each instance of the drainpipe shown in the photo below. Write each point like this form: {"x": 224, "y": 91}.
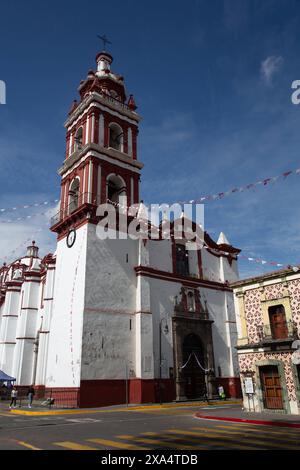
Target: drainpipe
{"x": 35, "y": 357}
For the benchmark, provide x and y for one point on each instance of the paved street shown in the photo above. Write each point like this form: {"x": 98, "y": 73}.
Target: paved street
{"x": 140, "y": 429}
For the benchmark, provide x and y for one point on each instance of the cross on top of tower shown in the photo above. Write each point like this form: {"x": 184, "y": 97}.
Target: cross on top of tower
{"x": 105, "y": 41}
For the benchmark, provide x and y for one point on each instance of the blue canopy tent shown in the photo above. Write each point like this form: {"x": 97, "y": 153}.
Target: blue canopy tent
{"x": 6, "y": 378}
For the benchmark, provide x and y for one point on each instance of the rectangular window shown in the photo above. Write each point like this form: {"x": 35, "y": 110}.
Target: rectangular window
{"x": 182, "y": 260}
{"x": 278, "y": 325}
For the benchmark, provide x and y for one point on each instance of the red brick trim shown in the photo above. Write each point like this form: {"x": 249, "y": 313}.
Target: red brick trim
{"x": 25, "y": 337}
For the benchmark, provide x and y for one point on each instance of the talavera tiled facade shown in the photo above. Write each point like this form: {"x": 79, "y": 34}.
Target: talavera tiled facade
{"x": 268, "y": 319}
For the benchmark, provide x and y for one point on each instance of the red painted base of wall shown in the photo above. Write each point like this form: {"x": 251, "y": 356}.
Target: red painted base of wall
{"x": 93, "y": 393}
{"x": 65, "y": 397}
{"x": 232, "y": 386}
{"x": 39, "y": 391}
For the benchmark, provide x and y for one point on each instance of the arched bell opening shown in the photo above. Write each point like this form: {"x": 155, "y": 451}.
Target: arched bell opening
{"x": 116, "y": 137}
{"x": 74, "y": 195}
{"x": 116, "y": 189}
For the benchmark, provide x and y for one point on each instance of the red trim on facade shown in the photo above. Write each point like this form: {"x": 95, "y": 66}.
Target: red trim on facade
{"x": 172, "y": 277}
{"x": 96, "y": 128}
{"x": 25, "y": 337}
{"x": 14, "y": 284}
{"x": 90, "y": 127}
{"x": 134, "y": 142}
{"x": 94, "y": 183}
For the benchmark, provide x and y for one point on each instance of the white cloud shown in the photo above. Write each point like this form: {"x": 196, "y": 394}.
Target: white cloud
{"x": 16, "y": 236}
{"x": 270, "y": 66}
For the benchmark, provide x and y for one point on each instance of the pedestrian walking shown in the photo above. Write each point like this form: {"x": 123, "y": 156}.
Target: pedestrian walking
{"x": 30, "y": 395}
{"x": 221, "y": 392}
{"x": 13, "y": 395}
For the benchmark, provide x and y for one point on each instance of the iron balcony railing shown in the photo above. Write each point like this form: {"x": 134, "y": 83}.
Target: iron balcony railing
{"x": 284, "y": 330}
{"x": 115, "y": 101}
{"x": 77, "y": 202}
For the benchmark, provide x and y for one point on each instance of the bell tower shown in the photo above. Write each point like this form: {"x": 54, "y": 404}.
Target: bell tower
{"x": 92, "y": 334}
{"x": 101, "y": 148}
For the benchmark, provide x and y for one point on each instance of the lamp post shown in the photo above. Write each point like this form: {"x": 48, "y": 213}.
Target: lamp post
{"x": 126, "y": 382}
{"x": 166, "y": 331}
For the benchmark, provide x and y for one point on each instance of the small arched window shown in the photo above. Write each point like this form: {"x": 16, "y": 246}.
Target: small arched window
{"x": 116, "y": 137}
{"x": 78, "y": 139}
{"x": 74, "y": 195}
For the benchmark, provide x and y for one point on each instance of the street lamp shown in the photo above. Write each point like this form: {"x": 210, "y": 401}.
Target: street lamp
{"x": 126, "y": 382}
{"x": 166, "y": 331}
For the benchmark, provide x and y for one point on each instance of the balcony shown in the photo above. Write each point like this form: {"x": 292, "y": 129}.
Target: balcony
{"x": 83, "y": 200}
{"x": 279, "y": 332}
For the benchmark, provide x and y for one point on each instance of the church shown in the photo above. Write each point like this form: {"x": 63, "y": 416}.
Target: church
{"x": 103, "y": 322}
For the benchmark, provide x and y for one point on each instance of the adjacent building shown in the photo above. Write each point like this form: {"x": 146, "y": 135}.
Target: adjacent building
{"x": 268, "y": 321}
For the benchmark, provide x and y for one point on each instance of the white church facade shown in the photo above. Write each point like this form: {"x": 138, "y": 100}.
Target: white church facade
{"x": 115, "y": 320}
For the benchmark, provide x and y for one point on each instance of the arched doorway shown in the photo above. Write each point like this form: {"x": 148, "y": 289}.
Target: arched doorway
{"x": 194, "y": 376}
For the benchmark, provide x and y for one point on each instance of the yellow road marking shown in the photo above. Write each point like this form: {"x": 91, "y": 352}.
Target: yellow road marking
{"x": 216, "y": 433}
{"x": 162, "y": 443}
{"x": 118, "y": 445}
{"x": 115, "y": 410}
{"x": 74, "y": 446}
{"x": 218, "y": 440}
{"x": 29, "y": 446}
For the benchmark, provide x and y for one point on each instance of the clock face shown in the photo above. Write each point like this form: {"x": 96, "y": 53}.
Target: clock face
{"x": 71, "y": 238}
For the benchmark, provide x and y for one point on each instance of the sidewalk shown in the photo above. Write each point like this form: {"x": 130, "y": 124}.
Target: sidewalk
{"x": 237, "y": 415}
{"x": 38, "y": 410}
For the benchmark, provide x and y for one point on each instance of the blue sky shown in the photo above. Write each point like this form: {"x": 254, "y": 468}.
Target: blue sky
{"x": 212, "y": 80}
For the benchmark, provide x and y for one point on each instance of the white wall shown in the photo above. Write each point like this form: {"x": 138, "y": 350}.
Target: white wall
{"x": 217, "y": 312}
{"x": 64, "y": 353}
{"x": 162, "y": 294}
{"x": 110, "y": 305}
{"x": 160, "y": 255}
{"x": 211, "y": 266}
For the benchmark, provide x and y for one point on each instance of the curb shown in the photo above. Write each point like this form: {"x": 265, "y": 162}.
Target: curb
{"x": 261, "y": 422}
{"x": 114, "y": 410}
